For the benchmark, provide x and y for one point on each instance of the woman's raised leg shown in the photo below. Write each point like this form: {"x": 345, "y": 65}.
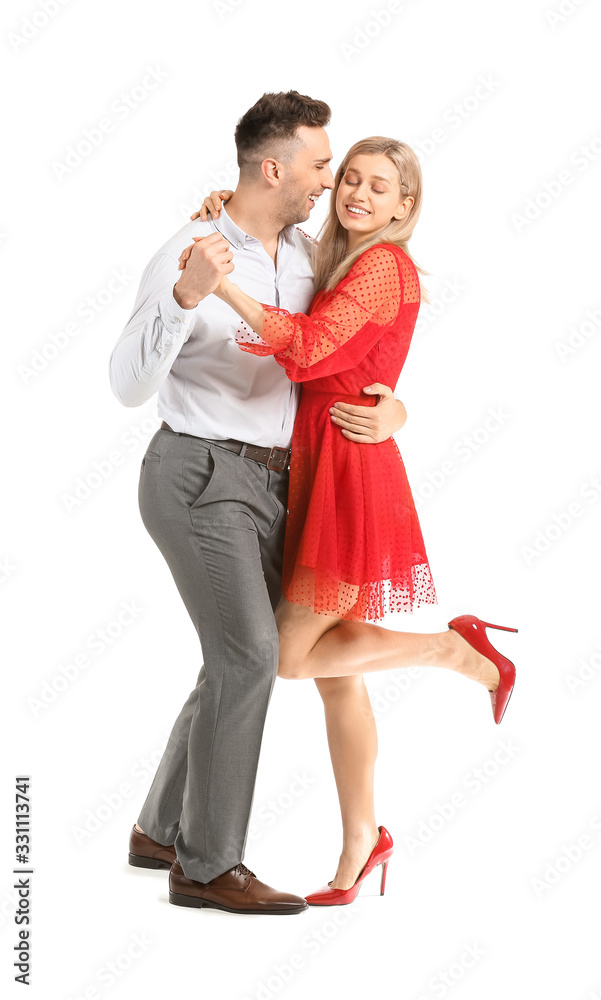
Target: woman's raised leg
{"x": 313, "y": 645}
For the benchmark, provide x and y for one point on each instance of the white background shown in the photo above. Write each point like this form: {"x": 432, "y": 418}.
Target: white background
{"x": 509, "y": 510}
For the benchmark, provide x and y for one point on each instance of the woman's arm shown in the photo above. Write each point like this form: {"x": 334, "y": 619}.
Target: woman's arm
{"x": 340, "y": 330}
{"x": 370, "y": 292}
{"x": 251, "y": 311}
{"x": 367, "y": 424}
{"x": 357, "y": 423}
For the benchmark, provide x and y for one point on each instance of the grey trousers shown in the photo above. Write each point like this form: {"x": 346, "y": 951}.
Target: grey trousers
{"x": 219, "y": 521}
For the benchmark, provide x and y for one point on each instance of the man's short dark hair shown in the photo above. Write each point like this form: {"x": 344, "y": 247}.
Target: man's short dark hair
{"x": 269, "y": 127}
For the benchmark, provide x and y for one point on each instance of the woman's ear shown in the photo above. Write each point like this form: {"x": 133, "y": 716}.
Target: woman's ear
{"x": 404, "y": 208}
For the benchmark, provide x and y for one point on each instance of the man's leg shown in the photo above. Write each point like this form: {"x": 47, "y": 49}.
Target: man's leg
{"x": 218, "y": 520}
{"x": 162, "y": 809}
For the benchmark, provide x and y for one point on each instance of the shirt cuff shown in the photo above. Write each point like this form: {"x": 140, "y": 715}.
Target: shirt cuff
{"x": 175, "y": 319}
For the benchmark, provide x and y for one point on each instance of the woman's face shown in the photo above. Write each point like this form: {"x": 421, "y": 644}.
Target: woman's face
{"x": 369, "y": 196}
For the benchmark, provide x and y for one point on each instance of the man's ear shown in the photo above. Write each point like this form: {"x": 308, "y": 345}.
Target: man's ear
{"x": 271, "y": 171}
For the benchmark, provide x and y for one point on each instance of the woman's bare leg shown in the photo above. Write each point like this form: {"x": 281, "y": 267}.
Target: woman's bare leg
{"x": 313, "y": 645}
{"x": 353, "y": 743}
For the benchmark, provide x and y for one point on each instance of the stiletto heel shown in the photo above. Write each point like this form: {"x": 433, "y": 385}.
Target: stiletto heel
{"x": 383, "y": 878}
{"x": 328, "y": 896}
{"x": 506, "y": 628}
{"x": 472, "y": 630}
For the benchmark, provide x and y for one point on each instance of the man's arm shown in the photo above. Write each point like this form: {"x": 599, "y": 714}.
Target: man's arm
{"x": 153, "y": 335}
{"x": 162, "y": 316}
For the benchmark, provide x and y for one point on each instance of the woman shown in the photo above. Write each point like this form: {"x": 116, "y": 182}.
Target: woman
{"x": 354, "y": 549}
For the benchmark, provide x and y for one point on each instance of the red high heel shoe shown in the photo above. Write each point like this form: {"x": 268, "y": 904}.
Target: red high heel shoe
{"x": 328, "y": 896}
{"x": 472, "y": 629}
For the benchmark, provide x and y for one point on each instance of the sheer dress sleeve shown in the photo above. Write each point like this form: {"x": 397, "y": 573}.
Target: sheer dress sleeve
{"x": 343, "y": 326}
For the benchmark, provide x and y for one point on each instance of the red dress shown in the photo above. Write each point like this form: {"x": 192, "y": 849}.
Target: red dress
{"x": 353, "y": 546}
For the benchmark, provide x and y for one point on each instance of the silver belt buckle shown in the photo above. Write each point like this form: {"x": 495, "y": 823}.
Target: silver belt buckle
{"x": 278, "y": 464}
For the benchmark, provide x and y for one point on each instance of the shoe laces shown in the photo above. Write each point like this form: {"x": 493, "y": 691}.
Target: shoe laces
{"x": 244, "y": 870}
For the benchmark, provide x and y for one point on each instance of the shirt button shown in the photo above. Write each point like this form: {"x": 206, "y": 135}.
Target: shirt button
{"x": 176, "y": 319}
{"x": 238, "y": 244}
{"x": 160, "y": 350}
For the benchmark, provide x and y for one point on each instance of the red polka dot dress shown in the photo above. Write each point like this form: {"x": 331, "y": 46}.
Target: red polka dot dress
{"x": 353, "y": 545}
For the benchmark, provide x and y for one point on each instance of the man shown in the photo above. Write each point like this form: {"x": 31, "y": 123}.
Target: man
{"x": 213, "y": 491}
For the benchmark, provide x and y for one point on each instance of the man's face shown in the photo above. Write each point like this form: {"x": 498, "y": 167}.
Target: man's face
{"x": 306, "y": 177}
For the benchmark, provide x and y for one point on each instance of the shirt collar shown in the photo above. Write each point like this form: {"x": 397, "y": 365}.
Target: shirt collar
{"x": 238, "y": 238}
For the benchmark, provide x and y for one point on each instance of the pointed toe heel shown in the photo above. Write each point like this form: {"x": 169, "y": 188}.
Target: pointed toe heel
{"x": 380, "y": 855}
{"x": 472, "y": 630}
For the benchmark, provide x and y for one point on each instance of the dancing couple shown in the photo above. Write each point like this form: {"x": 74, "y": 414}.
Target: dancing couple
{"x": 285, "y": 516}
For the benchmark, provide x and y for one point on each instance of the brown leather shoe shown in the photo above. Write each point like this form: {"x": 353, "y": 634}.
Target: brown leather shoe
{"x": 146, "y": 853}
{"x": 237, "y": 890}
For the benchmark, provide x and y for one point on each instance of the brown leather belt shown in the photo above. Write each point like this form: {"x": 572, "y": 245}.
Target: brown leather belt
{"x": 276, "y": 459}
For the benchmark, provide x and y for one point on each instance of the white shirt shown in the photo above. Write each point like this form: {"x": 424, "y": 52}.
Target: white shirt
{"x": 206, "y": 385}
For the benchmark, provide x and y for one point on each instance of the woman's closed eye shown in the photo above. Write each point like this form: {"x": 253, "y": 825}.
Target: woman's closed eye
{"x": 375, "y": 190}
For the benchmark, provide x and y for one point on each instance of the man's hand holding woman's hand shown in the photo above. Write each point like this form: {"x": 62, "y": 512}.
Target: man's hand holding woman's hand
{"x": 211, "y": 251}
{"x": 210, "y": 258}
{"x": 204, "y": 264}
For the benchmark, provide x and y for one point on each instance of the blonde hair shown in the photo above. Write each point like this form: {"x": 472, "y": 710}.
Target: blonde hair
{"x": 332, "y": 260}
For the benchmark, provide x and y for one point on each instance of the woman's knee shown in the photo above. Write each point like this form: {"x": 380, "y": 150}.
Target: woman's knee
{"x": 337, "y": 688}
{"x": 300, "y": 630}
{"x": 290, "y": 667}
